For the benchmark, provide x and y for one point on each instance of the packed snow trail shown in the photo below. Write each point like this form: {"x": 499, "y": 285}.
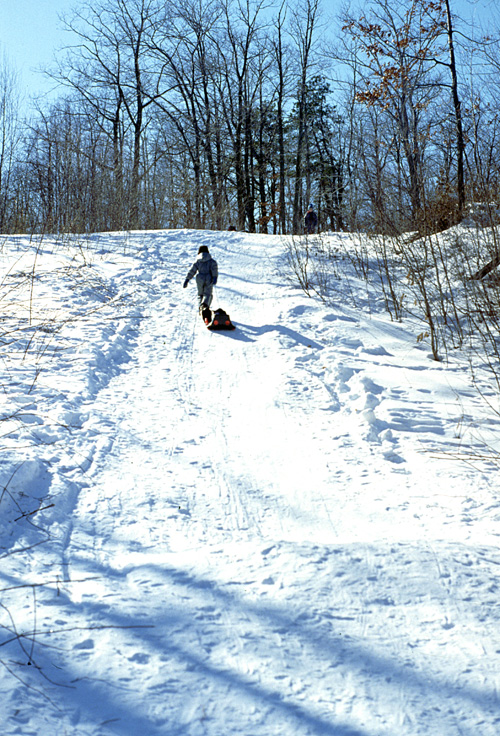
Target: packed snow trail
{"x": 264, "y": 542}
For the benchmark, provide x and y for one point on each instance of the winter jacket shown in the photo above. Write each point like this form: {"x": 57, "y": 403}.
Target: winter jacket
{"x": 205, "y": 269}
{"x": 311, "y": 219}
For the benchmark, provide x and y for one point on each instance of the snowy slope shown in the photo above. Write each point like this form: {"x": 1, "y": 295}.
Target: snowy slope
{"x": 263, "y": 532}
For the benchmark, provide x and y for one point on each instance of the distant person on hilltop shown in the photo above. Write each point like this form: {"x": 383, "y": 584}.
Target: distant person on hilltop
{"x": 310, "y": 220}
{"x": 206, "y": 271}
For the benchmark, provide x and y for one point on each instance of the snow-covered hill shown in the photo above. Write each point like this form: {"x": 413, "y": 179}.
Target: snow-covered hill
{"x": 257, "y": 533}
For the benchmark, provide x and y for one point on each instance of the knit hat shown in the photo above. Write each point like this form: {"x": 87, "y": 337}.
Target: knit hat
{"x": 202, "y": 249}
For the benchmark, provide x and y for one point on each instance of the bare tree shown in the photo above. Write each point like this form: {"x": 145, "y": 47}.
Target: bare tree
{"x": 184, "y": 54}
{"x": 305, "y": 17}
{"x": 457, "y": 109}
{"x": 240, "y": 53}
{"x": 10, "y": 134}
{"x": 279, "y": 52}
{"x": 109, "y": 69}
{"x": 395, "y": 49}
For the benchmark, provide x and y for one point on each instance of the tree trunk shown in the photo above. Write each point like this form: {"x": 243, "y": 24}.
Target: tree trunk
{"x": 305, "y": 38}
{"x": 485, "y": 270}
{"x": 281, "y": 132}
{"x": 458, "y": 113}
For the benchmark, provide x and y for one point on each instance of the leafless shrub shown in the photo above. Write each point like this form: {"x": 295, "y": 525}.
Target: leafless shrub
{"x": 315, "y": 263}
{"x": 447, "y": 279}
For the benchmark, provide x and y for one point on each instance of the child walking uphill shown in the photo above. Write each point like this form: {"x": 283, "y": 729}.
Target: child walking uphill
{"x": 206, "y": 271}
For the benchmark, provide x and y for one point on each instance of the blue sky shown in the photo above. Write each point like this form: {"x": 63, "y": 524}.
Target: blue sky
{"x": 30, "y": 32}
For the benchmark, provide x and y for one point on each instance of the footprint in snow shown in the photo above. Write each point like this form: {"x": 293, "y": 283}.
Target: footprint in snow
{"x": 344, "y": 375}
{"x": 392, "y": 456}
{"x": 139, "y": 658}
{"x": 338, "y": 317}
{"x": 352, "y": 343}
{"x": 300, "y": 310}
{"x": 370, "y": 401}
{"x": 371, "y": 386}
{"x": 377, "y": 350}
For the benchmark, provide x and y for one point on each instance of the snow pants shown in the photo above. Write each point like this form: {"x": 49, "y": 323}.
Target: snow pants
{"x": 205, "y": 290}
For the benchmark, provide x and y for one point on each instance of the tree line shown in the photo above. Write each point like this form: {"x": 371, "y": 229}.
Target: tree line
{"x": 219, "y": 113}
